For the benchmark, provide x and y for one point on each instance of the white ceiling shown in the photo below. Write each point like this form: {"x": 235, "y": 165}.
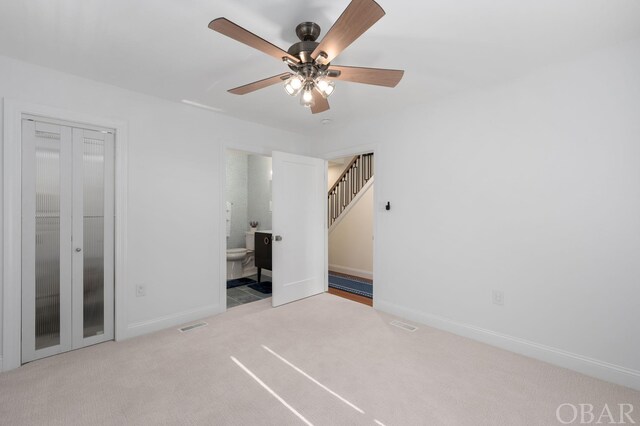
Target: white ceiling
{"x": 164, "y": 48}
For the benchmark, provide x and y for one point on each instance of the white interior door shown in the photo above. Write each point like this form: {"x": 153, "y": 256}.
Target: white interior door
{"x": 67, "y": 238}
{"x": 299, "y": 227}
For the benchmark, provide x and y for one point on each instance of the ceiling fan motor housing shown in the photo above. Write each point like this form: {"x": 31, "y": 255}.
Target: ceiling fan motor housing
{"x": 307, "y": 32}
{"x": 303, "y": 50}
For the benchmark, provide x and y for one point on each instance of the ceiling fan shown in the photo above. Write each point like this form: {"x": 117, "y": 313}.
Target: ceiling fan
{"x": 312, "y": 73}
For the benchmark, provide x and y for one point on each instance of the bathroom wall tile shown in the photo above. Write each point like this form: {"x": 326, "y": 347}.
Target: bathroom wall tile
{"x": 248, "y": 188}
{"x": 236, "y": 192}
{"x": 259, "y": 190}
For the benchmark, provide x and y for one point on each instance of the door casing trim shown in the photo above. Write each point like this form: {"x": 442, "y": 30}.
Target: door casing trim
{"x": 13, "y": 110}
{"x": 377, "y": 204}
{"x": 251, "y": 149}
{"x": 222, "y": 169}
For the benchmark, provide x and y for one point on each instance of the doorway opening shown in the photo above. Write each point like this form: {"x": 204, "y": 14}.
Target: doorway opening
{"x": 248, "y": 208}
{"x": 350, "y": 211}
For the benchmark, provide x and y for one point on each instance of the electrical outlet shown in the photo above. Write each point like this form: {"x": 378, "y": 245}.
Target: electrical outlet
{"x": 141, "y": 290}
{"x": 498, "y": 297}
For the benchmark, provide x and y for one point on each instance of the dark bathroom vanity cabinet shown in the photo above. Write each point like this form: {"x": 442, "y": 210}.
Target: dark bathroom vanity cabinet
{"x": 263, "y": 251}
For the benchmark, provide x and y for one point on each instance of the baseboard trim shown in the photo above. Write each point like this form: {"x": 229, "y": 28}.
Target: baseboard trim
{"x": 351, "y": 271}
{"x": 591, "y": 367}
{"x": 156, "y": 324}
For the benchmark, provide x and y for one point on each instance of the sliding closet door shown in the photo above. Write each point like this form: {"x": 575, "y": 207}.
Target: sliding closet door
{"x": 67, "y": 238}
{"x": 46, "y": 239}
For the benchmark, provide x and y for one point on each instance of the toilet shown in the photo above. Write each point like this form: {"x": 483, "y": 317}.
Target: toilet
{"x": 240, "y": 261}
{"x": 235, "y": 260}
{"x": 250, "y": 242}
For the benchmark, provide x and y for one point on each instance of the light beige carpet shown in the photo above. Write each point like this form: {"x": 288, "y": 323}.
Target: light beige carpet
{"x": 396, "y": 377}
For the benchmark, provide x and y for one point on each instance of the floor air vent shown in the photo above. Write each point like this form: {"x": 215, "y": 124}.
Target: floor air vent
{"x": 187, "y": 328}
{"x": 404, "y": 325}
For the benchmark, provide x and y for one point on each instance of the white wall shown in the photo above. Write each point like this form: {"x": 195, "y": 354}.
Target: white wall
{"x": 335, "y": 170}
{"x": 173, "y": 189}
{"x": 531, "y": 187}
{"x": 351, "y": 240}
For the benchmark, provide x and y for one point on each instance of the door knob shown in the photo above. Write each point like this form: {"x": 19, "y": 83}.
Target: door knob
{"x": 78, "y": 249}
{"x": 278, "y": 238}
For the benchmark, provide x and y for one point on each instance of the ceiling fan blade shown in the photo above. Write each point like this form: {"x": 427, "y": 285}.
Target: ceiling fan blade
{"x": 260, "y": 84}
{"x": 321, "y": 104}
{"x": 357, "y": 18}
{"x": 236, "y": 32}
{"x": 377, "y": 76}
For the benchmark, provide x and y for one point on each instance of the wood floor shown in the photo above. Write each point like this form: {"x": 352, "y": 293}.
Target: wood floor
{"x": 351, "y": 296}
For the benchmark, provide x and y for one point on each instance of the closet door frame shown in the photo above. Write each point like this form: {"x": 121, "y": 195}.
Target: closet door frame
{"x": 72, "y": 246}
{"x": 13, "y": 112}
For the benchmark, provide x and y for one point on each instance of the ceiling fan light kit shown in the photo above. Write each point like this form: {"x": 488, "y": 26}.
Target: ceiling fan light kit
{"x": 312, "y": 75}
{"x": 293, "y": 85}
{"x": 306, "y": 100}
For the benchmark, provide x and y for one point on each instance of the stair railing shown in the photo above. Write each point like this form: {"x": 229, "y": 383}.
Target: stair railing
{"x": 350, "y": 182}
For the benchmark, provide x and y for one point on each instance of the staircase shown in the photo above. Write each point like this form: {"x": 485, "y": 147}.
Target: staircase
{"x": 356, "y": 176}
